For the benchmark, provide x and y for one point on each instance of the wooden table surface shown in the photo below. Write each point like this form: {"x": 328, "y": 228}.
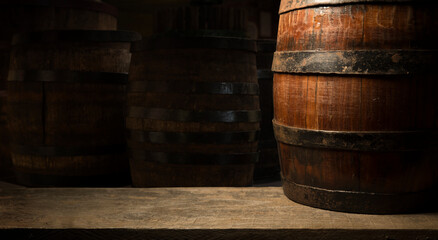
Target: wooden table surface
{"x": 190, "y": 213}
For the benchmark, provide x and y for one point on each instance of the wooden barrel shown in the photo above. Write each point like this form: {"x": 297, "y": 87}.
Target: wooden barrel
{"x": 66, "y": 98}
{"x": 355, "y": 104}
{"x": 29, "y": 15}
{"x": 268, "y": 165}
{"x": 193, "y": 112}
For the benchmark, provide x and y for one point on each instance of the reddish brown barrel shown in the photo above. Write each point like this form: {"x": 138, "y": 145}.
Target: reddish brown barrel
{"x": 355, "y": 104}
{"x": 193, "y": 112}
{"x": 66, "y": 95}
{"x": 268, "y": 165}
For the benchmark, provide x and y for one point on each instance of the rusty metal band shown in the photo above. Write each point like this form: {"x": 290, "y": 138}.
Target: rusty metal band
{"x": 67, "y": 76}
{"x": 53, "y": 36}
{"x": 265, "y": 74}
{"x": 194, "y": 158}
{"x": 266, "y": 46}
{"x": 74, "y": 4}
{"x": 357, "y": 202}
{"x": 53, "y": 151}
{"x": 240, "y": 88}
{"x": 290, "y": 5}
{"x": 180, "y": 115}
{"x": 354, "y": 141}
{"x": 363, "y": 62}
{"x": 193, "y": 137}
{"x": 183, "y": 42}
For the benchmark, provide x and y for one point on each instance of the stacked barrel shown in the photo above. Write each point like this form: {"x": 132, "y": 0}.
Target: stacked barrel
{"x": 355, "y": 104}
{"x": 193, "y": 104}
{"x": 66, "y": 92}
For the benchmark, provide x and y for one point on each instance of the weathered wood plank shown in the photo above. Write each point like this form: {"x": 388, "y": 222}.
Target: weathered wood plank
{"x": 197, "y": 213}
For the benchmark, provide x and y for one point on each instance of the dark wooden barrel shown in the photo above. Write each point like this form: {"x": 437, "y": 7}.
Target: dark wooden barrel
{"x": 29, "y": 15}
{"x": 193, "y": 112}
{"x": 66, "y": 98}
{"x": 268, "y": 167}
{"x": 354, "y": 104}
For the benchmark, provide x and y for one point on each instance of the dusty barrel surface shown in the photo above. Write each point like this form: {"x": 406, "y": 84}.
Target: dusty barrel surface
{"x": 66, "y": 103}
{"x": 268, "y": 164}
{"x": 193, "y": 112}
{"x": 355, "y": 104}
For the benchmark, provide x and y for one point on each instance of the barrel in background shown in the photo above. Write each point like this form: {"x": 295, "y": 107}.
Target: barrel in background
{"x": 17, "y": 16}
{"x": 193, "y": 112}
{"x": 66, "y": 107}
{"x": 267, "y": 168}
{"x": 354, "y": 104}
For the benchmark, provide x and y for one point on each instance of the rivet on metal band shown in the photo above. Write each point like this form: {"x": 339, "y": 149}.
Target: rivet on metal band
{"x": 67, "y": 76}
{"x": 194, "y": 116}
{"x": 194, "y": 87}
{"x": 194, "y": 158}
{"x": 354, "y": 141}
{"x": 53, "y": 151}
{"x": 193, "y": 137}
{"x": 363, "y": 62}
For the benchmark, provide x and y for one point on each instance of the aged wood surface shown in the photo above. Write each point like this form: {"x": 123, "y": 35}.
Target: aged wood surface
{"x": 196, "y": 213}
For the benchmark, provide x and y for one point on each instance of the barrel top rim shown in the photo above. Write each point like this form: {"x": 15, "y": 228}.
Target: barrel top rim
{"x": 97, "y": 6}
{"x": 291, "y": 5}
{"x": 53, "y": 36}
{"x": 194, "y": 42}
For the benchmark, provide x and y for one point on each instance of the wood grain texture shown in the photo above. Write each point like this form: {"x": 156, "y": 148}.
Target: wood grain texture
{"x": 373, "y": 103}
{"x": 192, "y": 65}
{"x": 65, "y": 115}
{"x": 195, "y": 213}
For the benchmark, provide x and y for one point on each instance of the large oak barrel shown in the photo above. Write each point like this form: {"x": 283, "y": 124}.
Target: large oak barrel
{"x": 193, "y": 112}
{"x": 66, "y": 98}
{"x": 267, "y": 168}
{"x": 355, "y": 104}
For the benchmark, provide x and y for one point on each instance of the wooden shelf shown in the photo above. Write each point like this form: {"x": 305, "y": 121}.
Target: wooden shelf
{"x": 190, "y": 213}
